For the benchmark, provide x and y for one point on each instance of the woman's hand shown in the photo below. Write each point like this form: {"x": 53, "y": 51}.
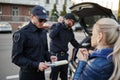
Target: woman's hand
{"x": 83, "y": 54}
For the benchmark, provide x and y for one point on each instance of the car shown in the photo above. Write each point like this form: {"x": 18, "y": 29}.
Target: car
{"x": 22, "y": 25}
{"x": 76, "y": 27}
{"x": 5, "y": 27}
{"x": 88, "y": 14}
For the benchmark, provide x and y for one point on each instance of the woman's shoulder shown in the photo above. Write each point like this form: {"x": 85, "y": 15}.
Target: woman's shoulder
{"x": 99, "y": 63}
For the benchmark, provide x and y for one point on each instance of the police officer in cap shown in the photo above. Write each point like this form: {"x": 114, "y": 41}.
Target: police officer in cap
{"x": 61, "y": 34}
{"x": 30, "y": 48}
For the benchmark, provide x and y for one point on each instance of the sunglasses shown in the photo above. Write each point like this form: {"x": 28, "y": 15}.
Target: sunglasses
{"x": 42, "y": 20}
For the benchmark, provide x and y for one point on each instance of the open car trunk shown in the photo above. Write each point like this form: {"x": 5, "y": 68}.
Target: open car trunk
{"x": 88, "y": 13}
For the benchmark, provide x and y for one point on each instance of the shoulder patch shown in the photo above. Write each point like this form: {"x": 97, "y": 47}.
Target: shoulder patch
{"x": 16, "y": 37}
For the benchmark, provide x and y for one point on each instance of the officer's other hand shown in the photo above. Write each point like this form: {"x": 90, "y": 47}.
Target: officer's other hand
{"x": 60, "y": 19}
{"x": 42, "y": 66}
{"x": 53, "y": 58}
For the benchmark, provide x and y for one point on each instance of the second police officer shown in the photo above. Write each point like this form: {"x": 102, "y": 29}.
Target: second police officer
{"x": 61, "y": 34}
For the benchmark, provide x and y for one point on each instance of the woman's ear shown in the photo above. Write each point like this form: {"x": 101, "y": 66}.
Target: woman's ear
{"x": 100, "y": 37}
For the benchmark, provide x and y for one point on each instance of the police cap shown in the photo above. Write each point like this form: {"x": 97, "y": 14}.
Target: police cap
{"x": 70, "y": 16}
{"x": 40, "y": 12}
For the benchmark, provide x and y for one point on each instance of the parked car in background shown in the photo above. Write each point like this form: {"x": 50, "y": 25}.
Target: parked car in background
{"x": 88, "y": 14}
{"x": 5, "y": 27}
{"x": 22, "y": 25}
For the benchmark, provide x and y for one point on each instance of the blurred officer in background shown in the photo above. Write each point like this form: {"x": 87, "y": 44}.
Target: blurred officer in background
{"x": 61, "y": 34}
{"x": 30, "y": 48}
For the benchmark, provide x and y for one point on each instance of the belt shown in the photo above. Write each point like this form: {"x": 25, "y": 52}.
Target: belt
{"x": 61, "y": 53}
{"x": 29, "y": 70}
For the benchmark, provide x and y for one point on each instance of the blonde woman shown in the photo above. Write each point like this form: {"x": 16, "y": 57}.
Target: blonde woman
{"x": 104, "y": 62}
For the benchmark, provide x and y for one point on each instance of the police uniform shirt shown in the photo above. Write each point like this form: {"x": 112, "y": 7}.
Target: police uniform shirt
{"x": 60, "y": 36}
{"x": 30, "y": 47}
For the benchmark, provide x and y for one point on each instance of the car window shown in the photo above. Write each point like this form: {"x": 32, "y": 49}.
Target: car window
{"x": 4, "y": 24}
{"x": 89, "y": 21}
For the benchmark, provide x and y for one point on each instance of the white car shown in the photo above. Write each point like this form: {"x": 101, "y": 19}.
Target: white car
{"x": 5, "y": 27}
{"x": 22, "y": 25}
{"x": 76, "y": 27}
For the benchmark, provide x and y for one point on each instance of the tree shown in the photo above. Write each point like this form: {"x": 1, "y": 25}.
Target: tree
{"x": 54, "y": 10}
{"x": 63, "y": 13}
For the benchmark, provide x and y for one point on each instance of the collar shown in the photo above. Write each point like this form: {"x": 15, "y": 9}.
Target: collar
{"x": 67, "y": 27}
{"x": 102, "y": 53}
{"x": 33, "y": 28}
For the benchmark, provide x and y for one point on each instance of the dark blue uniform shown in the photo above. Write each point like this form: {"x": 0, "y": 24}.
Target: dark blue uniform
{"x": 29, "y": 49}
{"x": 60, "y": 36}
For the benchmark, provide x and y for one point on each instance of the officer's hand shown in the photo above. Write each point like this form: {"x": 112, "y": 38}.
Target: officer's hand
{"x": 53, "y": 58}
{"x": 42, "y": 66}
{"x": 60, "y": 19}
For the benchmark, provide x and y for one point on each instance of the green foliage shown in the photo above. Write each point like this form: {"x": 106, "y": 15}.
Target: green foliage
{"x": 54, "y": 10}
{"x": 63, "y": 13}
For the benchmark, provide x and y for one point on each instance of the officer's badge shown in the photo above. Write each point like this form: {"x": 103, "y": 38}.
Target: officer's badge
{"x": 16, "y": 37}
{"x": 44, "y": 11}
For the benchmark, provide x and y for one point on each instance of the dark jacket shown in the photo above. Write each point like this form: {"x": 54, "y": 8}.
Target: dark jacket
{"x": 60, "y": 36}
{"x": 98, "y": 67}
{"x": 30, "y": 47}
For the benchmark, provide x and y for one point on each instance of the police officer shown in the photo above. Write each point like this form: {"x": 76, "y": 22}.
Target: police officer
{"x": 61, "y": 34}
{"x": 30, "y": 48}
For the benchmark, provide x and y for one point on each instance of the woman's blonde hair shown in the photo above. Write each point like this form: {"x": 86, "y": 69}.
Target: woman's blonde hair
{"x": 111, "y": 29}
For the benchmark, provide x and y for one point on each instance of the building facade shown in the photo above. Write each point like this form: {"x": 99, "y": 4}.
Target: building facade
{"x": 17, "y": 11}
{"x": 22, "y": 8}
